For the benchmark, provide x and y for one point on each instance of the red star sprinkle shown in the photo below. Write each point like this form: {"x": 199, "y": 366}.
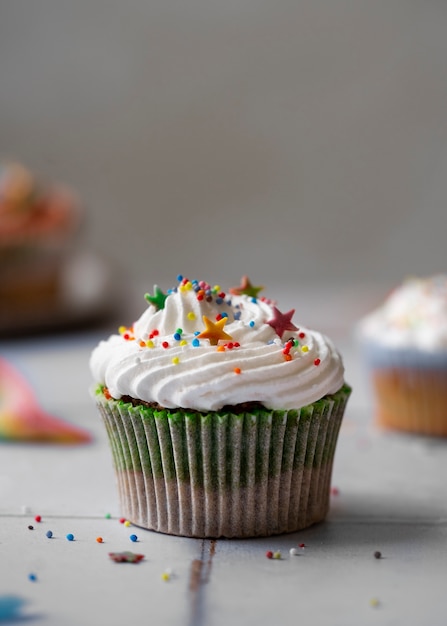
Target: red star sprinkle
{"x": 282, "y": 321}
{"x": 126, "y": 557}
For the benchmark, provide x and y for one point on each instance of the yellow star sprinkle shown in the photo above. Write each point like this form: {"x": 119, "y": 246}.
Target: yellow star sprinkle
{"x": 214, "y": 331}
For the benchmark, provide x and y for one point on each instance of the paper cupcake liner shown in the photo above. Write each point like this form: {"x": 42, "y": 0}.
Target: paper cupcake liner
{"x": 224, "y": 474}
{"x": 409, "y": 387}
{"x": 412, "y": 400}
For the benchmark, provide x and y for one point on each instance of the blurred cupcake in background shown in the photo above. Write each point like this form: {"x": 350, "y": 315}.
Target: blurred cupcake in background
{"x": 404, "y": 342}
{"x": 38, "y": 224}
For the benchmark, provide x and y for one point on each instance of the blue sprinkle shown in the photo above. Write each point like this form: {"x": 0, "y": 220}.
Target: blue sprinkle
{"x": 70, "y": 537}
{"x": 251, "y": 324}
{"x": 197, "y": 332}
{"x": 32, "y": 577}
{"x": 195, "y": 342}
{"x": 179, "y": 278}
{"x": 49, "y": 534}
{"x": 254, "y": 300}
{"x": 219, "y": 300}
{"x": 133, "y": 538}
{"x": 229, "y": 303}
{"x": 224, "y": 314}
{"x": 177, "y": 336}
{"x": 194, "y": 282}
{"x": 237, "y": 315}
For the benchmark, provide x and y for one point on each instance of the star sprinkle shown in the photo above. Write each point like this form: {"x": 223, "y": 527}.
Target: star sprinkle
{"x": 158, "y": 299}
{"x": 126, "y": 557}
{"x": 282, "y": 321}
{"x": 214, "y": 331}
{"x": 246, "y": 288}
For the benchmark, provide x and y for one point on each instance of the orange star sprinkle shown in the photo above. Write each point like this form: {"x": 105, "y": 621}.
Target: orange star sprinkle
{"x": 214, "y": 331}
{"x": 246, "y": 288}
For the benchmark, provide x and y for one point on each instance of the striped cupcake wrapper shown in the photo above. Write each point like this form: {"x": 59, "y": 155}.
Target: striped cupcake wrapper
{"x": 224, "y": 474}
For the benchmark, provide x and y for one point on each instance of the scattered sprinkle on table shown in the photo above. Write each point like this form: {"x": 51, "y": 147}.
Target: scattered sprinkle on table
{"x": 99, "y": 540}
{"x": 32, "y": 577}
{"x": 277, "y": 555}
{"x": 49, "y": 534}
{"x": 374, "y": 602}
{"x": 70, "y": 537}
{"x": 127, "y": 523}
{"x": 133, "y": 538}
{"x": 293, "y": 552}
{"x": 377, "y": 554}
{"x": 38, "y": 518}
{"x": 30, "y": 527}
{"x": 126, "y": 557}
{"x": 269, "y": 554}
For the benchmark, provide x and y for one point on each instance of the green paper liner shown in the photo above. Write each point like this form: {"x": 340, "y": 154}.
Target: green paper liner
{"x": 224, "y": 474}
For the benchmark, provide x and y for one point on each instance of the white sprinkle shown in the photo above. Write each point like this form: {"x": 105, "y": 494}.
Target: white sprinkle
{"x": 293, "y": 552}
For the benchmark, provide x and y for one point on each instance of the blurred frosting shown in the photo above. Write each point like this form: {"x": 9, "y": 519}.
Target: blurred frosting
{"x": 414, "y": 316}
{"x": 30, "y": 209}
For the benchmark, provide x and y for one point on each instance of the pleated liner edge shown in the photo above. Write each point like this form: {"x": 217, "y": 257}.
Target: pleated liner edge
{"x": 224, "y": 474}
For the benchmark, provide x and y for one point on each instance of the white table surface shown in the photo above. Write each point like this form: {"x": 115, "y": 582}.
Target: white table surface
{"x": 392, "y": 497}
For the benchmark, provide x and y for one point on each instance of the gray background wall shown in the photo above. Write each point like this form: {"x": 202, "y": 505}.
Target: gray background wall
{"x": 297, "y": 141}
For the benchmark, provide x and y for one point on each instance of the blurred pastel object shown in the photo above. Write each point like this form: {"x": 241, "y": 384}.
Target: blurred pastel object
{"x": 21, "y": 418}
{"x": 10, "y": 607}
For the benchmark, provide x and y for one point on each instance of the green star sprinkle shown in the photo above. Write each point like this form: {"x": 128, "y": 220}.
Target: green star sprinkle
{"x": 158, "y": 299}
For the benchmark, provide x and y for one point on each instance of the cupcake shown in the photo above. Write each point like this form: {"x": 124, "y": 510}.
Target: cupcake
{"x": 222, "y": 414}
{"x": 405, "y": 346}
{"x": 37, "y": 225}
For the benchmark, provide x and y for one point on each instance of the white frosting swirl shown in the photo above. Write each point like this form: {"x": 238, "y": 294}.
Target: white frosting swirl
{"x": 151, "y": 362}
{"x": 413, "y": 316}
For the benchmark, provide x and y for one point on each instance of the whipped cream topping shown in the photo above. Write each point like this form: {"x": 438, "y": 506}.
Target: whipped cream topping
{"x": 413, "y": 316}
{"x": 199, "y": 348}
